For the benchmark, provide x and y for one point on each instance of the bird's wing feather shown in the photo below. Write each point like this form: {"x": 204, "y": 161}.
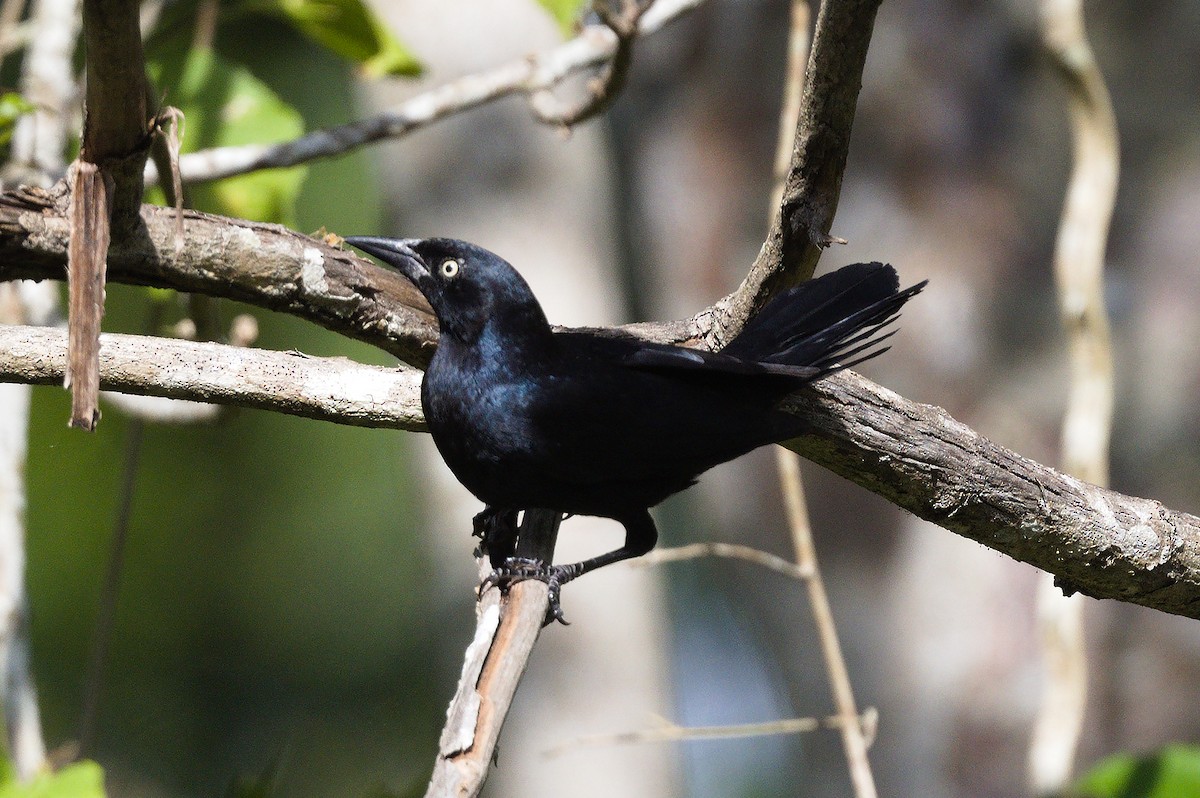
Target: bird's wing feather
{"x": 714, "y": 417}
{"x": 665, "y": 358}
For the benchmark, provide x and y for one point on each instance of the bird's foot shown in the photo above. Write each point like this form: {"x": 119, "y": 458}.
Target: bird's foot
{"x": 520, "y": 569}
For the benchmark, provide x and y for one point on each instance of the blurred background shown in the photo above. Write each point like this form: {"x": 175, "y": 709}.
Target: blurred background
{"x": 296, "y": 595}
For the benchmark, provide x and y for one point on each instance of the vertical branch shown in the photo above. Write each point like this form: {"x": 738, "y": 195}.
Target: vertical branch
{"x": 853, "y": 739}
{"x": 505, "y": 631}
{"x": 90, "y": 209}
{"x": 38, "y": 147}
{"x": 106, "y": 187}
{"x": 1079, "y": 273}
{"x": 116, "y": 127}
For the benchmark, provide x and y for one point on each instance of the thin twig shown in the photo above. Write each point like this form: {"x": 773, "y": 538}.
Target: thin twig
{"x": 606, "y": 87}
{"x": 854, "y": 737}
{"x": 669, "y": 732}
{"x": 729, "y": 550}
{"x": 595, "y": 45}
{"x": 106, "y": 609}
{"x": 1079, "y": 273}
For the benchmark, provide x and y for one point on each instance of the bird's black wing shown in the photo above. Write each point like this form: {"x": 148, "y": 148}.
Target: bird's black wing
{"x": 664, "y": 357}
{"x": 675, "y": 416}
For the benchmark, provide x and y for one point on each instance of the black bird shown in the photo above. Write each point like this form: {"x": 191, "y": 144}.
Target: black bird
{"x": 591, "y": 424}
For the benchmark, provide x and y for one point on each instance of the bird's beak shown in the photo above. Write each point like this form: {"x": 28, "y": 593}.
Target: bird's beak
{"x": 395, "y": 252}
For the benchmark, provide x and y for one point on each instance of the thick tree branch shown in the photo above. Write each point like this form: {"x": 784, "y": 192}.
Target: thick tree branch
{"x": 1098, "y": 542}
{"x": 116, "y": 128}
{"x": 261, "y": 264}
{"x": 331, "y": 389}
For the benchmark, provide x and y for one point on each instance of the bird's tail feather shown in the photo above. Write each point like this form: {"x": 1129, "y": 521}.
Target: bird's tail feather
{"x": 830, "y": 323}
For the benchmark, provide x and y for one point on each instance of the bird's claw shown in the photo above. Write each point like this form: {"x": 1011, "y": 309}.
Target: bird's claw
{"x": 520, "y": 569}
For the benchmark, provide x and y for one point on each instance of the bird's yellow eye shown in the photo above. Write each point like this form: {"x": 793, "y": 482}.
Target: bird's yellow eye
{"x": 450, "y": 268}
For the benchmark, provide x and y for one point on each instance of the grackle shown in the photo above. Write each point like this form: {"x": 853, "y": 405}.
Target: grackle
{"x": 596, "y": 424}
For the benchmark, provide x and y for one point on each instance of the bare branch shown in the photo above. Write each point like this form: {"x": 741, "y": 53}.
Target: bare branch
{"x": 1096, "y": 541}
{"x": 506, "y": 629}
{"x": 91, "y": 204}
{"x": 730, "y": 551}
{"x": 606, "y": 87}
{"x": 854, "y": 740}
{"x": 670, "y": 732}
{"x": 116, "y": 129}
{"x": 105, "y": 183}
{"x": 595, "y": 45}
{"x": 814, "y": 182}
{"x": 1099, "y": 542}
{"x": 854, "y": 736}
{"x": 332, "y": 389}
{"x": 262, "y": 264}
{"x": 1079, "y": 272}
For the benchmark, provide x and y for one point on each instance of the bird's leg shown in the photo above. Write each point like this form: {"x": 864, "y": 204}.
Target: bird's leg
{"x": 640, "y": 537}
{"x": 496, "y": 529}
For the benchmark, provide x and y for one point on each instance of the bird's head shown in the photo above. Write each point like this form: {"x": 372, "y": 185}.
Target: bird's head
{"x": 467, "y": 286}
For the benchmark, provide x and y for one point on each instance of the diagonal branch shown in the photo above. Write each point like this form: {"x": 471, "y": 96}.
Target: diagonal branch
{"x": 595, "y": 45}
{"x": 1097, "y": 541}
{"x": 814, "y": 181}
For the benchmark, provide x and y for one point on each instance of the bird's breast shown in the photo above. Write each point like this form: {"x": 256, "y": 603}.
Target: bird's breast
{"x": 479, "y": 419}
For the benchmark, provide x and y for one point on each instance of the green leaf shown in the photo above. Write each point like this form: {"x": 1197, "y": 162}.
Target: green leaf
{"x": 348, "y": 28}
{"x": 225, "y": 105}
{"x": 565, "y": 12}
{"x": 81, "y": 780}
{"x": 12, "y": 107}
{"x": 1172, "y": 772}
